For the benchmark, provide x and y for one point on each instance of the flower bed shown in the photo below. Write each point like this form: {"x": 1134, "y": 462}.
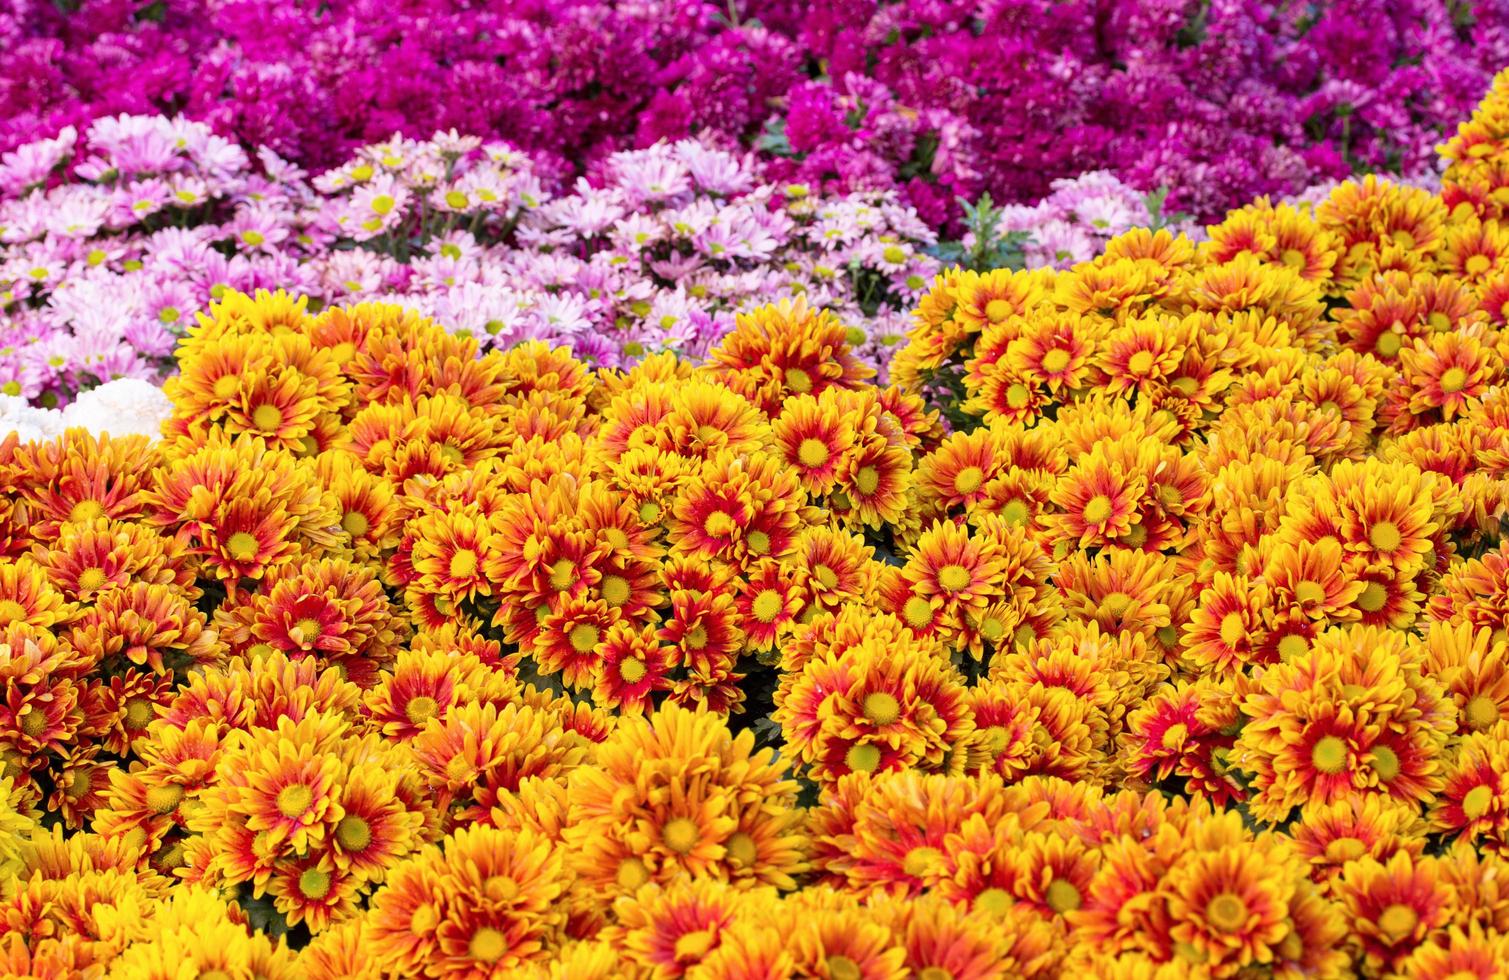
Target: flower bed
{"x": 112, "y": 243}
{"x": 1180, "y": 650}
{"x": 930, "y": 98}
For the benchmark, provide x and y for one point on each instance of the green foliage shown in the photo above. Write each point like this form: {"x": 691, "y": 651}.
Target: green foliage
{"x": 773, "y": 138}
{"x": 1154, "y": 202}
{"x": 988, "y": 248}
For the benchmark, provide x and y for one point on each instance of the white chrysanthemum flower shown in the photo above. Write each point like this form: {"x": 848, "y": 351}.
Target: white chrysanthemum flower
{"x": 125, "y": 406}
{"x": 31, "y": 424}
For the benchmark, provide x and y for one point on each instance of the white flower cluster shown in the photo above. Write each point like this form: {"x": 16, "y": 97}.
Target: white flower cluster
{"x": 125, "y": 406}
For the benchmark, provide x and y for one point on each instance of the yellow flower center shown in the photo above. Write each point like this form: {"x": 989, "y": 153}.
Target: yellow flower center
{"x": 992, "y": 628}
{"x": 742, "y": 851}
{"x": 719, "y": 525}
{"x": 881, "y": 708}
{"x": 1329, "y": 755}
{"x": 463, "y": 564}
{"x": 996, "y": 901}
{"x": 918, "y": 612}
{"x": 562, "y": 574}
{"x": 1185, "y": 385}
{"x": 456, "y": 199}
{"x": 615, "y": 590}
{"x": 695, "y": 638}
{"x": 11, "y": 611}
{"x": 1098, "y": 510}
{"x": 164, "y": 798}
{"x": 1388, "y": 344}
{"x": 1062, "y": 896}
{"x": 421, "y": 709}
{"x": 862, "y": 758}
{"x": 1373, "y": 597}
{"x": 954, "y": 578}
{"x": 968, "y": 480}
{"x": 1397, "y": 921}
{"x": 91, "y": 579}
{"x": 1174, "y": 736}
{"x": 1481, "y": 712}
{"x": 632, "y": 873}
{"x": 867, "y": 480}
{"x": 242, "y": 546}
{"x": 34, "y": 722}
{"x": 631, "y": 671}
{"x": 1453, "y": 380}
{"x": 1476, "y": 803}
{"x": 1055, "y": 360}
{"x": 997, "y": 310}
{"x": 767, "y": 606}
{"x": 1310, "y": 593}
{"x": 488, "y": 945}
{"x": 1293, "y": 646}
{"x": 1015, "y": 511}
{"x": 354, "y": 833}
{"x": 294, "y": 799}
{"x": 1476, "y": 265}
{"x": 501, "y": 888}
{"x": 1135, "y": 537}
{"x": 1385, "y": 536}
{"x": 1344, "y": 849}
{"x": 1385, "y": 763}
{"x": 826, "y": 576}
{"x": 919, "y": 859}
{"x": 267, "y": 418}
{"x": 1140, "y": 362}
{"x": 649, "y": 512}
{"x": 617, "y": 539}
{"x": 798, "y": 380}
{"x": 996, "y": 739}
{"x": 139, "y": 711}
{"x": 314, "y": 884}
{"x": 1233, "y": 629}
{"x": 305, "y": 630}
{"x": 1227, "y": 912}
{"x": 681, "y": 835}
{"x": 583, "y": 637}
{"x": 1116, "y": 604}
{"x": 382, "y": 204}
{"x": 1017, "y": 396}
{"x": 812, "y": 453}
{"x": 1294, "y": 258}
{"x": 935, "y": 973}
{"x": 86, "y": 510}
{"x": 758, "y": 541}
{"x": 843, "y": 968}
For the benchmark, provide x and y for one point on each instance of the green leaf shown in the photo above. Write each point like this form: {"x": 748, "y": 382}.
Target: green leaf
{"x": 156, "y": 11}
{"x": 773, "y": 138}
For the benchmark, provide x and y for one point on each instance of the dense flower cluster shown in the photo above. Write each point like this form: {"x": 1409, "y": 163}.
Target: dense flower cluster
{"x": 930, "y": 98}
{"x": 1080, "y": 215}
{"x": 1151, "y": 622}
{"x": 155, "y": 218}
